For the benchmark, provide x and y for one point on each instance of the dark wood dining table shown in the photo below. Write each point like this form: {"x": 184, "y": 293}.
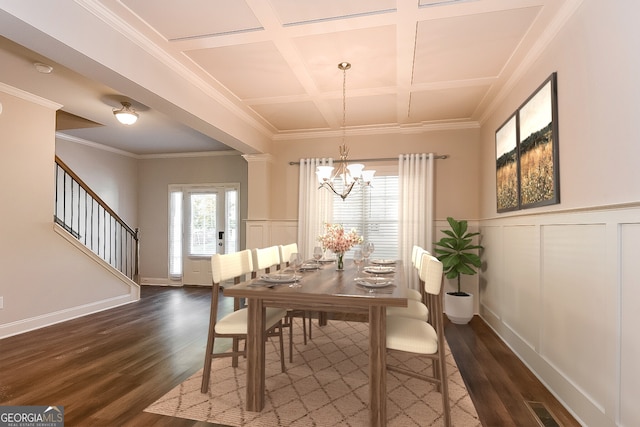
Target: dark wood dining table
{"x": 325, "y": 290}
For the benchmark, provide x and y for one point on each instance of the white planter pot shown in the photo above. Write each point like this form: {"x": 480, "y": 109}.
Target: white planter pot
{"x": 459, "y": 309}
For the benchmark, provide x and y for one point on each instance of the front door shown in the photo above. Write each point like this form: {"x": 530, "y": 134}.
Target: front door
{"x": 210, "y": 225}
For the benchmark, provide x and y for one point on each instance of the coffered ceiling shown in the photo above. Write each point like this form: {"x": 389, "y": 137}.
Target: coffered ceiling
{"x": 416, "y": 64}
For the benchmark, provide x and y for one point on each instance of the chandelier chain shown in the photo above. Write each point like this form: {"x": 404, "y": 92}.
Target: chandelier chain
{"x": 344, "y": 103}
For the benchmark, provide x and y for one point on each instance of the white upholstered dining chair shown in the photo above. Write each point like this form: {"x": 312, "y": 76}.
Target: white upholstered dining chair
{"x": 234, "y": 325}
{"x": 268, "y": 260}
{"x": 416, "y": 259}
{"x": 423, "y": 338}
{"x": 265, "y": 259}
{"x": 285, "y": 254}
{"x": 416, "y": 303}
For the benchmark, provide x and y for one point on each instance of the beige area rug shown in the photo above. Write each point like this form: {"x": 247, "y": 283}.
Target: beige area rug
{"x": 326, "y": 385}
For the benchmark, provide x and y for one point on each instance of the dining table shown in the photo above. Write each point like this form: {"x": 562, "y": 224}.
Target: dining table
{"x": 325, "y": 289}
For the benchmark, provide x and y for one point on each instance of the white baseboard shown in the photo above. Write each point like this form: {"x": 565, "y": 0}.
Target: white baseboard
{"x": 30, "y": 324}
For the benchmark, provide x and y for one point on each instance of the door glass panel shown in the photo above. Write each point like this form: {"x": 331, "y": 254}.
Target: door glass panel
{"x": 202, "y": 230}
{"x": 175, "y": 234}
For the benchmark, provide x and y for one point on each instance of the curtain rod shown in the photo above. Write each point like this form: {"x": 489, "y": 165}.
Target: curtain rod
{"x": 441, "y": 157}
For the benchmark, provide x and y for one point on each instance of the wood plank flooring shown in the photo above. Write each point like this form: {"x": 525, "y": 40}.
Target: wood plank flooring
{"x": 107, "y": 367}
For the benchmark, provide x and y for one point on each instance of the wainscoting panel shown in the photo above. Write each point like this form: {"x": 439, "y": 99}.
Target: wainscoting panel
{"x": 630, "y": 319}
{"x": 264, "y": 233}
{"x": 258, "y": 234}
{"x": 562, "y": 290}
{"x": 284, "y": 232}
{"x": 578, "y": 329}
{"x": 492, "y": 280}
{"x": 521, "y": 280}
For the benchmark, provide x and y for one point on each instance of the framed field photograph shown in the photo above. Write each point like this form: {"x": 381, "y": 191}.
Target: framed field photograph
{"x": 507, "y": 188}
{"x": 527, "y": 172}
{"x": 538, "y": 147}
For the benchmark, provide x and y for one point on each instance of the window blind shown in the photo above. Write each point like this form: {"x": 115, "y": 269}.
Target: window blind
{"x": 373, "y": 211}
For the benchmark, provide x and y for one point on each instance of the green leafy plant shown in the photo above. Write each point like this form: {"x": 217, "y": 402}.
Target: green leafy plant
{"x": 457, "y": 252}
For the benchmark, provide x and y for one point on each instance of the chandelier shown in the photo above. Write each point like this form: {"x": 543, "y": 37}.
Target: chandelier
{"x": 347, "y": 175}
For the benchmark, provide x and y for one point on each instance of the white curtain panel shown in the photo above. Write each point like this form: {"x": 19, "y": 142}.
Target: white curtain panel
{"x": 415, "y": 179}
{"x": 315, "y": 206}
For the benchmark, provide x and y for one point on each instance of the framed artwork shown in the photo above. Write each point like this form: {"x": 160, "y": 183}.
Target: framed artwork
{"x": 527, "y": 172}
{"x": 507, "y": 174}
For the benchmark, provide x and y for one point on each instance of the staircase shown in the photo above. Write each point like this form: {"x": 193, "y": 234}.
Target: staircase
{"x": 84, "y": 215}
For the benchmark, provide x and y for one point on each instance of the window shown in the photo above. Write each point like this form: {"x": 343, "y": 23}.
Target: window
{"x": 373, "y": 211}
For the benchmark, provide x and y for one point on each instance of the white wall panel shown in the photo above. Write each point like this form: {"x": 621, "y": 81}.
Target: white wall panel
{"x": 630, "y": 319}
{"x": 284, "y": 232}
{"x": 258, "y": 234}
{"x": 521, "y": 281}
{"x": 578, "y": 338}
{"x": 492, "y": 278}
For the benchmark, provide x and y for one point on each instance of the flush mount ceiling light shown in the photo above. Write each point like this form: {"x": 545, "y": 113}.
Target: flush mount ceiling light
{"x": 43, "y": 68}
{"x": 126, "y": 115}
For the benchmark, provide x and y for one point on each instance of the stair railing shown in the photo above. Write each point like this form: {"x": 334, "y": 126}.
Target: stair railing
{"x": 89, "y": 219}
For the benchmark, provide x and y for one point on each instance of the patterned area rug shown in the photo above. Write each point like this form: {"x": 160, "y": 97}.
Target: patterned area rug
{"x": 326, "y": 385}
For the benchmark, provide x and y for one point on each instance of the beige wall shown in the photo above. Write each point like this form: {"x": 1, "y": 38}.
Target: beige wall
{"x": 155, "y": 176}
{"x": 45, "y": 279}
{"x": 457, "y": 189}
{"x": 560, "y": 282}
{"x": 111, "y": 175}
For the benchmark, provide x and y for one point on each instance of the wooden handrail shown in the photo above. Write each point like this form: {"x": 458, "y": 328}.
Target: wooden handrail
{"x": 90, "y": 234}
{"x": 97, "y": 198}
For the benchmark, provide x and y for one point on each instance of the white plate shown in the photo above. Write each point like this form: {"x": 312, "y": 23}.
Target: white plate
{"x": 309, "y": 267}
{"x": 373, "y": 282}
{"x": 383, "y": 261}
{"x": 327, "y": 260}
{"x": 279, "y": 278}
{"x": 379, "y": 269}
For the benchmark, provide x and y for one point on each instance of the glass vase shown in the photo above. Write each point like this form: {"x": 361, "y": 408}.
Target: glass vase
{"x": 340, "y": 261}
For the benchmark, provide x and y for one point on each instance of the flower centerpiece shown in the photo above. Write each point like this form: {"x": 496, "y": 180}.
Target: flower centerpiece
{"x": 338, "y": 241}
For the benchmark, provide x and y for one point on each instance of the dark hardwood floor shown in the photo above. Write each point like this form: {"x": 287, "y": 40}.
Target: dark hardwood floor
{"x": 106, "y": 368}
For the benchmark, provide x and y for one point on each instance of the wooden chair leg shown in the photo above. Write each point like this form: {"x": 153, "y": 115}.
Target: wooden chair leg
{"x": 443, "y": 387}
{"x": 208, "y": 355}
{"x": 235, "y": 347}
{"x": 281, "y": 348}
{"x": 304, "y": 326}
{"x": 290, "y": 339}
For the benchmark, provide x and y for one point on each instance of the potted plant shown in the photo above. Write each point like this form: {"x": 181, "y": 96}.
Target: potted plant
{"x": 458, "y": 256}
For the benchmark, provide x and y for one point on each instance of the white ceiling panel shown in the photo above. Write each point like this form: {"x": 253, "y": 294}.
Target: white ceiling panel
{"x": 370, "y": 68}
{"x": 297, "y": 12}
{"x": 447, "y": 104}
{"x": 469, "y": 47}
{"x": 367, "y": 110}
{"x": 194, "y": 18}
{"x": 291, "y": 115}
{"x": 254, "y": 70}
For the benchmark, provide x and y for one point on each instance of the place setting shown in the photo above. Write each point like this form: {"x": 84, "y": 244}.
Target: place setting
{"x": 375, "y": 284}
{"x": 274, "y": 279}
{"x": 372, "y": 282}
